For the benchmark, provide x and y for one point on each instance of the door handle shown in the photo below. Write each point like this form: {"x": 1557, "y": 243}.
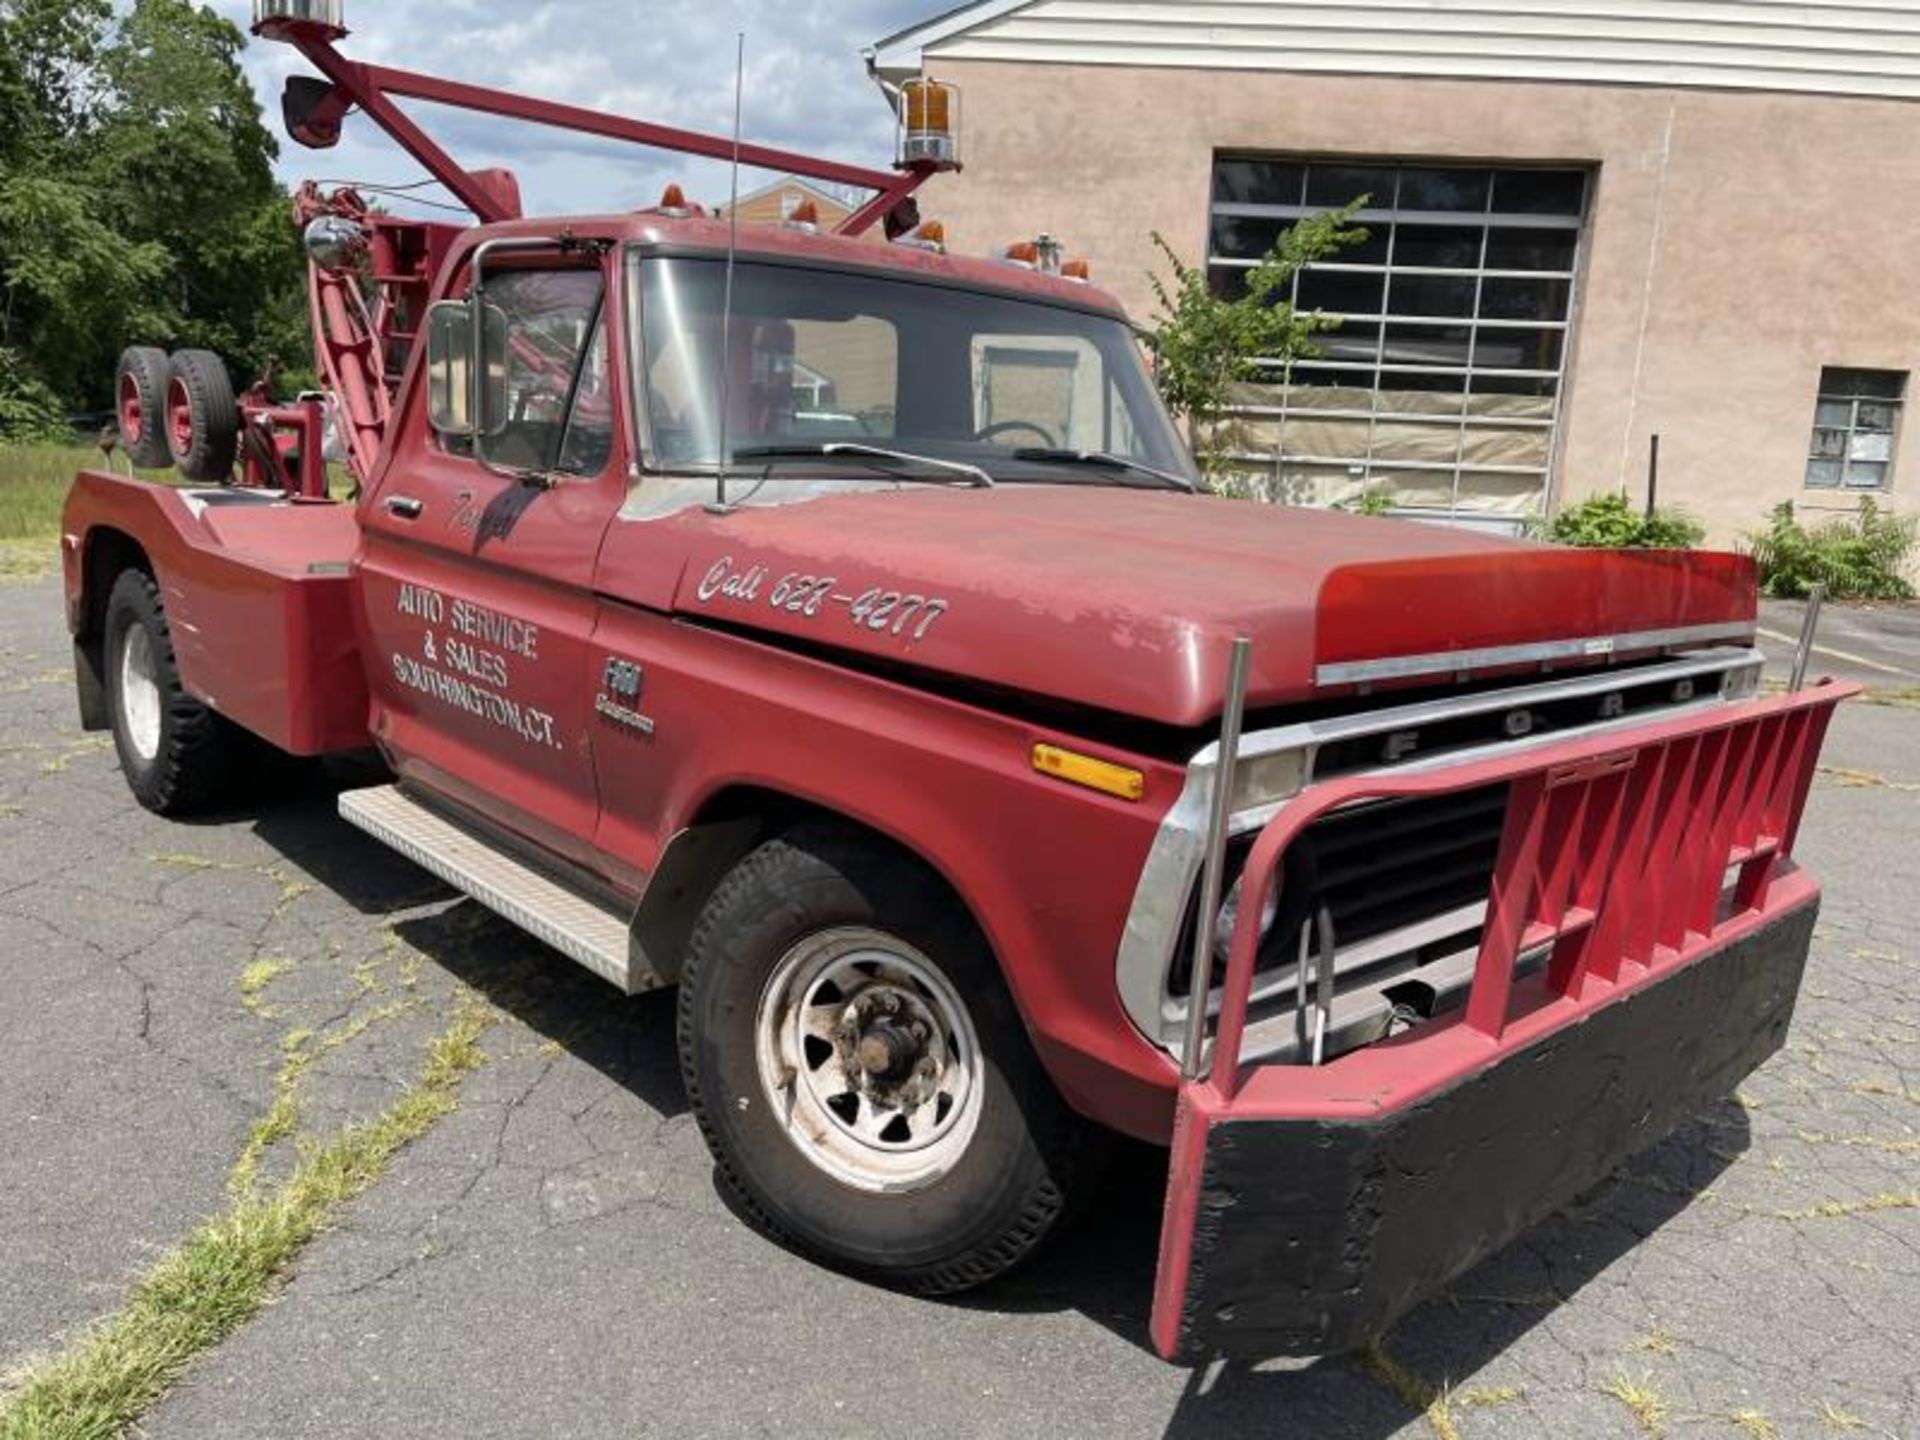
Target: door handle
{"x": 404, "y": 507}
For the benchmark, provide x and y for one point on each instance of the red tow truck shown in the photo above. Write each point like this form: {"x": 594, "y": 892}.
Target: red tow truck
{"x": 834, "y": 629}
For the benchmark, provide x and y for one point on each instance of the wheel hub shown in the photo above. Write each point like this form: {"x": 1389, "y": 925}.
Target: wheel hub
{"x": 868, "y": 1059}
{"x": 887, "y": 1053}
{"x": 890, "y": 1046}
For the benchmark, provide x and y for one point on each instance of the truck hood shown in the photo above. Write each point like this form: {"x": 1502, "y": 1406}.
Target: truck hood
{"x": 1128, "y": 600}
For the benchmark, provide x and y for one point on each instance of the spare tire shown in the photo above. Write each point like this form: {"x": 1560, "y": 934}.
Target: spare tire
{"x": 203, "y": 419}
{"x": 140, "y": 402}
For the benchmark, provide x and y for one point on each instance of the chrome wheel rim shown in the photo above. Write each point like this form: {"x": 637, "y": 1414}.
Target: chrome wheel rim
{"x": 140, "y": 693}
{"x": 869, "y": 1060}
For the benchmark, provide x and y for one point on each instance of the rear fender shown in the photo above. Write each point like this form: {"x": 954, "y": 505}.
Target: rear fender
{"x": 258, "y": 598}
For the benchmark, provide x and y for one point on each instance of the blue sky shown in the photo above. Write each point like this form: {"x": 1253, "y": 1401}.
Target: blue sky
{"x": 664, "y": 60}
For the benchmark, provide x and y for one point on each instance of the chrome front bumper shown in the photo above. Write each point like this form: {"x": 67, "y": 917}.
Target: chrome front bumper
{"x": 1288, "y": 760}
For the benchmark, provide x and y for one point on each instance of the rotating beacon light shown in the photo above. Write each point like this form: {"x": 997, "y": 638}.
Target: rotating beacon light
{"x": 929, "y": 126}
{"x": 283, "y": 19}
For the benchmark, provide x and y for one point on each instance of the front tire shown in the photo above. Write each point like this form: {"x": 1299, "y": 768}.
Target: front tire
{"x": 859, "y": 1070}
{"x": 176, "y": 753}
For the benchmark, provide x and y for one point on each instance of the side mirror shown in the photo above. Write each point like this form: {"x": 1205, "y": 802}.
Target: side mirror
{"x": 452, "y": 401}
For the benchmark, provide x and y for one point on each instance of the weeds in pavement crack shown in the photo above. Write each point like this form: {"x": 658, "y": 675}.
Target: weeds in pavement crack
{"x": 1843, "y": 1209}
{"x": 1644, "y": 1403}
{"x": 1754, "y": 1423}
{"x": 216, "y": 1280}
{"x": 254, "y": 979}
{"x": 1487, "y": 1397}
{"x": 1410, "y": 1389}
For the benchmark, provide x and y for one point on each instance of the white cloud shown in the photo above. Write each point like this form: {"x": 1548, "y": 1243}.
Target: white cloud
{"x": 669, "y": 61}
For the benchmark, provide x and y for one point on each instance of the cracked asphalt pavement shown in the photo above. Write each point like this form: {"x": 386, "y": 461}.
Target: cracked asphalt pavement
{"x": 553, "y": 1257}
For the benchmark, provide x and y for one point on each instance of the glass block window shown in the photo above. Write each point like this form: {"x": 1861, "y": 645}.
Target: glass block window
{"x": 1854, "y": 422}
{"x": 1442, "y": 383}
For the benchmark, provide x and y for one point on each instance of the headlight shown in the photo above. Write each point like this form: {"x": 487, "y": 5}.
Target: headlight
{"x": 1264, "y": 779}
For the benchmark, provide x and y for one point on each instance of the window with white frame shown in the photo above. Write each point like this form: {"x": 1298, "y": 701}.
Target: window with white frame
{"x": 1441, "y": 386}
{"x": 1854, "y": 422}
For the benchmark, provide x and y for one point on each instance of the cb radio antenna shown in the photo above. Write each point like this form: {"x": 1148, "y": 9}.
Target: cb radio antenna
{"x": 733, "y": 240}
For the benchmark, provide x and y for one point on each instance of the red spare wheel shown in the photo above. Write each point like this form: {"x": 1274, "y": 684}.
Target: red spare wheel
{"x": 202, "y": 417}
{"x": 139, "y": 400}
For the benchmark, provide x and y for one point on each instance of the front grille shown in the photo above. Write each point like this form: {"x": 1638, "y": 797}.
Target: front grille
{"x": 1379, "y": 869}
{"x": 1493, "y": 727}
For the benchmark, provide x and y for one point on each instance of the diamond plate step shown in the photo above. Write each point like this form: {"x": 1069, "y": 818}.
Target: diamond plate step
{"x": 578, "y": 928}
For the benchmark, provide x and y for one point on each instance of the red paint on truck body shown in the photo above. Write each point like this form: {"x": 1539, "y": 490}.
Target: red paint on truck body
{"x": 1065, "y": 607}
{"x": 258, "y": 599}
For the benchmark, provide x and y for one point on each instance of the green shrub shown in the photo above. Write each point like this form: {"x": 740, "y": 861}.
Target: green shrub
{"x": 1204, "y": 344}
{"x": 30, "y": 413}
{"x": 1608, "y": 522}
{"x": 1862, "y": 557}
{"x": 1374, "y": 500}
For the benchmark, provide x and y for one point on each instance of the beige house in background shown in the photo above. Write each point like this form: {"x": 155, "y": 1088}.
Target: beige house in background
{"x": 1591, "y": 222}
{"x": 771, "y": 204}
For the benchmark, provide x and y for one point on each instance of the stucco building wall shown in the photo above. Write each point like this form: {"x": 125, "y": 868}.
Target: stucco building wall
{"x": 1736, "y": 241}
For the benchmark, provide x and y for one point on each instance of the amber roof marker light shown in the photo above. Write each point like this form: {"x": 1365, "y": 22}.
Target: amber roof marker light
{"x": 278, "y": 19}
{"x": 929, "y": 130}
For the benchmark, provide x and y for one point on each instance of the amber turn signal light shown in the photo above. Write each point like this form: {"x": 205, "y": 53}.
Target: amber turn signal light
{"x": 1089, "y": 773}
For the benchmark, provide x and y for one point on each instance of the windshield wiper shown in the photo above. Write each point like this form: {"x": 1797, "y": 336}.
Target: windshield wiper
{"x": 1100, "y": 459}
{"x": 973, "y": 474}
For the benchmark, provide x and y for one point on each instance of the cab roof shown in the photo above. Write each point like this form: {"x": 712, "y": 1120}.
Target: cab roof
{"x": 762, "y": 240}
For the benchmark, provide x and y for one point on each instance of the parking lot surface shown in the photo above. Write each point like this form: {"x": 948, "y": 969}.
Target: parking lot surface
{"x": 553, "y": 1258}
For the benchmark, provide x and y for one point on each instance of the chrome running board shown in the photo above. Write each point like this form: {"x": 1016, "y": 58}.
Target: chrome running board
{"x": 582, "y": 930}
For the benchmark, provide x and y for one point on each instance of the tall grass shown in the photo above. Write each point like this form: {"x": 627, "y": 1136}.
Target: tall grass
{"x": 34, "y": 480}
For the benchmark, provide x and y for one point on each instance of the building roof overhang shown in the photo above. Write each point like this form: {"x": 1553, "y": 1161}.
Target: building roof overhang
{"x": 899, "y": 56}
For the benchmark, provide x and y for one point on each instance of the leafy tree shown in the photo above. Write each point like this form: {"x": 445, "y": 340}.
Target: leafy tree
{"x": 72, "y": 283}
{"x": 183, "y": 160}
{"x": 48, "y": 50}
{"x": 1205, "y": 344}
{"x": 137, "y": 200}
{"x": 29, "y": 411}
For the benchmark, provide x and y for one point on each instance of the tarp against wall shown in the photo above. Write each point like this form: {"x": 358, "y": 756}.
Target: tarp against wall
{"x": 1329, "y": 445}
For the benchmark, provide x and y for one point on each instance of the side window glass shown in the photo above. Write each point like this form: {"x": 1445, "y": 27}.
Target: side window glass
{"x": 588, "y": 443}
{"x": 551, "y": 316}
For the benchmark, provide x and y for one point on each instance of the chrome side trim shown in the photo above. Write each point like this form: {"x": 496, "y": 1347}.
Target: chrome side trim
{"x": 1152, "y": 930}
{"x": 1454, "y": 662}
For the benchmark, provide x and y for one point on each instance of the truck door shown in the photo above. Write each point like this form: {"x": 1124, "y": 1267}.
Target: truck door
{"x": 476, "y": 585}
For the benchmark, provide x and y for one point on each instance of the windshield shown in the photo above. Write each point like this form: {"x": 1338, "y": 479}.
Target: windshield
{"x": 818, "y": 358}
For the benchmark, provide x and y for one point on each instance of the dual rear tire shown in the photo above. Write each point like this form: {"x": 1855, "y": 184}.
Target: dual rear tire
{"x": 178, "y": 410}
{"x": 179, "y": 756}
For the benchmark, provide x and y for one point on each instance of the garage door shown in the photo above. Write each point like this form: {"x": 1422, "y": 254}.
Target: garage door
{"x": 1441, "y": 386}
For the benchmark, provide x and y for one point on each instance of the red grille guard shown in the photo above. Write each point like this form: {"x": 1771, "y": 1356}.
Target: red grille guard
{"x": 1308, "y": 1207}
